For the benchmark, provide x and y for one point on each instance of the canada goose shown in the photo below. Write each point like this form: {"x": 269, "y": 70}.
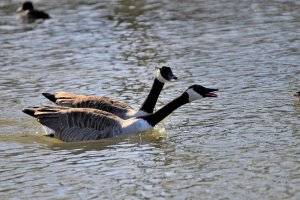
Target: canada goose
{"x": 124, "y": 111}
{"x": 27, "y": 11}
{"x": 81, "y": 124}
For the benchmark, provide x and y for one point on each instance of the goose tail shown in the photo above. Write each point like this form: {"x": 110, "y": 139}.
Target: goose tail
{"x": 30, "y": 111}
{"x": 49, "y": 96}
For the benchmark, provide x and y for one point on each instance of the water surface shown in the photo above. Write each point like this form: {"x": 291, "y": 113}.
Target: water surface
{"x": 242, "y": 145}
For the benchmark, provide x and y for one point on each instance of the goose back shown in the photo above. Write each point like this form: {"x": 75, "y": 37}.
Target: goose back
{"x": 81, "y": 124}
{"x": 107, "y": 104}
{"x": 58, "y": 118}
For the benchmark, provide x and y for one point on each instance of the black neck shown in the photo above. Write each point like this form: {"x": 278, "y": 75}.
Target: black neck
{"x": 159, "y": 115}
{"x": 150, "y": 101}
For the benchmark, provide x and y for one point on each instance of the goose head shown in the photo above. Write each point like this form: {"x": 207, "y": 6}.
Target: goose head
{"x": 26, "y": 6}
{"x": 297, "y": 94}
{"x": 165, "y": 74}
{"x": 195, "y": 92}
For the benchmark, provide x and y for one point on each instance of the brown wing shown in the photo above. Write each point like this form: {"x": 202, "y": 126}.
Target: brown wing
{"x": 97, "y": 102}
{"x": 58, "y": 118}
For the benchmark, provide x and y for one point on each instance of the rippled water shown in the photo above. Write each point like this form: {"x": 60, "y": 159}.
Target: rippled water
{"x": 242, "y": 145}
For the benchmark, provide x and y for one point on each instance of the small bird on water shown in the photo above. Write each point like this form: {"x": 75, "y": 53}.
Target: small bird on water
{"x": 297, "y": 94}
{"x": 27, "y": 12}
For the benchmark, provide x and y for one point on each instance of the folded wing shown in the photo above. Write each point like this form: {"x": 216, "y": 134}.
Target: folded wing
{"x": 97, "y": 102}
{"x": 77, "y": 124}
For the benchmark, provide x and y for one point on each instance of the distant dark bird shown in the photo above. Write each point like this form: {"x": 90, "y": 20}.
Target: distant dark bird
{"x": 297, "y": 94}
{"x": 27, "y": 12}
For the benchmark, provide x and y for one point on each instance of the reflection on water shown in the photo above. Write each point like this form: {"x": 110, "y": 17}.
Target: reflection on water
{"x": 244, "y": 144}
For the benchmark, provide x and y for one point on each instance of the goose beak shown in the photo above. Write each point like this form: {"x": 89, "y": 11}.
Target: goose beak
{"x": 172, "y": 77}
{"x": 211, "y": 92}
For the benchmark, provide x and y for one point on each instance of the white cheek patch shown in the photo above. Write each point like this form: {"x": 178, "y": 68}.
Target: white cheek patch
{"x": 193, "y": 95}
{"x": 160, "y": 78}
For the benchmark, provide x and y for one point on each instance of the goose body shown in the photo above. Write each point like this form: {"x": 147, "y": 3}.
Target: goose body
{"x": 82, "y": 124}
{"x": 119, "y": 108}
{"x": 27, "y": 12}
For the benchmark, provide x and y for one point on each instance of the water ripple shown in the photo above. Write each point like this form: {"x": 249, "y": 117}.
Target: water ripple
{"x": 244, "y": 144}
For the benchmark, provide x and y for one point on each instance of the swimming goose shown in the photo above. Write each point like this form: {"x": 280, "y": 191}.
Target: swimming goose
{"x": 82, "y": 124}
{"x": 124, "y": 111}
{"x": 27, "y": 11}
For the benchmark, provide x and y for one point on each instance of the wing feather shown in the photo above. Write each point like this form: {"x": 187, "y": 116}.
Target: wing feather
{"x": 97, "y": 102}
{"x": 58, "y": 118}
{"x": 76, "y": 134}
